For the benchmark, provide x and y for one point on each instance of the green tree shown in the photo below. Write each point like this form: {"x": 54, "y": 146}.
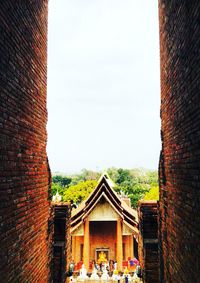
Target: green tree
{"x": 123, "y": 176}
{"x": 79, "y": 192}
{"x": 56, "y": 187}
{"x": 152, "y": 178}
{"x": 137, "y": 192}
{"x": 62, "y": 180}
{"x": 153, "y": 194}
{"x": 135, "y": 183}
{"x": 66, "y": 181}
{"x": 57, "y": 179}
{"x": 113, "y": 173}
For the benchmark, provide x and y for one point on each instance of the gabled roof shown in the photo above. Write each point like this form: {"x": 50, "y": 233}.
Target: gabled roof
{"x": 104, "y": 189}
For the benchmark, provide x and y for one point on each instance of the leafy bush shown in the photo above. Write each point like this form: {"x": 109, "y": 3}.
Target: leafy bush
{"x": 79, "y": 192}
{"x": 153, "y": 194}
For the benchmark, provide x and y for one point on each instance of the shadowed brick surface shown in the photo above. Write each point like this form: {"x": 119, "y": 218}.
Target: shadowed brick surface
{"x": 180, "y": 158}
{"x": 24, "y": 172}
{"x": 61, "y": 241}
{"x": 148, "y": 240}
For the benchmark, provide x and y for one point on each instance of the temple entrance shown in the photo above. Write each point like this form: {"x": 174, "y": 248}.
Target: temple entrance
{"x": 105, "y": 227}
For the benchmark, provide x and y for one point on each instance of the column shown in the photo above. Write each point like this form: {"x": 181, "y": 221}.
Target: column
{"x": 86, "y": 246}
{"x": 119, "y": 245}
{"x": 131, "y": 246}
{"x": 74, "y": 248}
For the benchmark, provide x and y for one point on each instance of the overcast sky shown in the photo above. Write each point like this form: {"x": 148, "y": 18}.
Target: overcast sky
{"x": 103, "y": 84}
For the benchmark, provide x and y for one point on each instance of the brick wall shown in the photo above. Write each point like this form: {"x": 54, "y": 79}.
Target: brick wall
{"x": 24, "y": 171}
{"x": 148, "y": 240}
{"x": 180, "y": 157}
{"x": 61, "y": 241}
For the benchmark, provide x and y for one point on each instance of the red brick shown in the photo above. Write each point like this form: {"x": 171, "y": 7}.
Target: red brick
{"x": 25, "y": 251}
{"x": 179, "y": 163}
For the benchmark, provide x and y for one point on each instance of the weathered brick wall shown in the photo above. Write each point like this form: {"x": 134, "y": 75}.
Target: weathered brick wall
{"x": 61, "y": 241}
{"x": 180, "y": 158}
{"x": 68, "y": 238}
{"x": 148, "y": 240}
{"x": 24, "y": 171}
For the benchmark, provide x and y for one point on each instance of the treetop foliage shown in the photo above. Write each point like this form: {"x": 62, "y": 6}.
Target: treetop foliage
{"x": 153, "y": 194}
{"x": 77, "y": 193}
{"x": 135, "y": 183}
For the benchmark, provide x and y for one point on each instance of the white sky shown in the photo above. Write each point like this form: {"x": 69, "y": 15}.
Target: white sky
{"x": 103, "y": 84}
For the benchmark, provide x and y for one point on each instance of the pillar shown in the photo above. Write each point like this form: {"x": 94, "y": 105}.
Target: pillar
{"x": 131, "y": 245}
{"x": 119, "y": 245}
{"x": 74, "y": 248}
{"x": 86, "y": 246}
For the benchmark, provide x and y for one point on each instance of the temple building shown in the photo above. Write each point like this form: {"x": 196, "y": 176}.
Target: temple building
{"x": 104, "y": 227}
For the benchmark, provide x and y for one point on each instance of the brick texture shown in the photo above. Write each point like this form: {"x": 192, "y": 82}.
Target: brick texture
{"x": 180, "y": 158}
{"x": 61, "y": 241}
{"x": 148, "y": 240}
{"x": 24, "y": 172}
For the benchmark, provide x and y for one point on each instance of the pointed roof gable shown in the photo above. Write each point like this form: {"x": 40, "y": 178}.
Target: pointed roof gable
{"x": 104, "y": 189}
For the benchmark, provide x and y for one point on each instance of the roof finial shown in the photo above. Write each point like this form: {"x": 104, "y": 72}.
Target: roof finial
{"x": 106, "y": 176}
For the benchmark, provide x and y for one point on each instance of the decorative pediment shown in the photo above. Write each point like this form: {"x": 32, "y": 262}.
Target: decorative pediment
{"x": 103, "y": 212}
